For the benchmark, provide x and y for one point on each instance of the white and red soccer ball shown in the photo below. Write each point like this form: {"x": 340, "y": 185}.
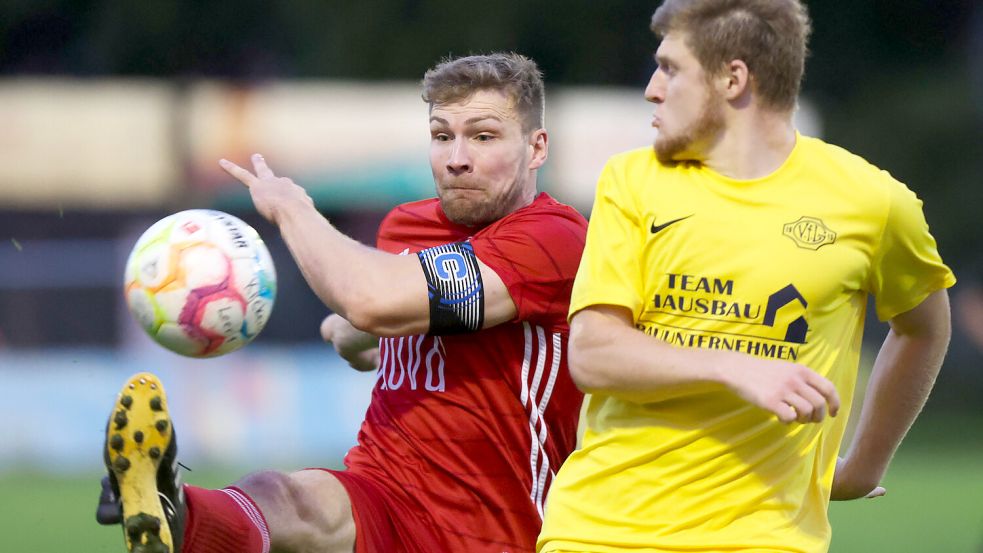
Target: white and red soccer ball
{"x": 200, "y": 282}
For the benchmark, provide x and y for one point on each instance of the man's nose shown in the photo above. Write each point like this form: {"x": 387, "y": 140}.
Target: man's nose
{"x": 459, "y": 161}
{"x": 655, "y": 92}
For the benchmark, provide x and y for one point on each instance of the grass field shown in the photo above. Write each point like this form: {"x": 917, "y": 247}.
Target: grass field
{"x": 934, "y": 502}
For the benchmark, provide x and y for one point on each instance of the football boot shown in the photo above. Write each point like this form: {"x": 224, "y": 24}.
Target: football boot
{"x": 143, "y": 491}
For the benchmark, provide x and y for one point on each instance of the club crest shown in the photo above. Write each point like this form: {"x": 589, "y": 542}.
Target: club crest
{"x": 809, "y": 233}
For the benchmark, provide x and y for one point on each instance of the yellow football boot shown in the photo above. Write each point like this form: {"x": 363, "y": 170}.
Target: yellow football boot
{"x": 143, "y": 489}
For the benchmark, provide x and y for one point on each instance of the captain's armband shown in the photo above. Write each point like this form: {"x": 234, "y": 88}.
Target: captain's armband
{"x": 457, "y": 296}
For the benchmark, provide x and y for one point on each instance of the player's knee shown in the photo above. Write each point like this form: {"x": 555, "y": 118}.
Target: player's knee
{"x": 299, "y": 516}
{"x": 274, "y": 495}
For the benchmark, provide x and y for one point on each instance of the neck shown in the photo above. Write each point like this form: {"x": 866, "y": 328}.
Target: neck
{"x": 753, "y": 144}
{"x": 527, "y": 192}
{"x": 527, "y": 197}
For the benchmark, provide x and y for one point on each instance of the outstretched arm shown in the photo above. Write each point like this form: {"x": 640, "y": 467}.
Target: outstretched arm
{"x": 903, "y": 376}
{"x": 378, "y": 292}
{"x": 608, "y": 355}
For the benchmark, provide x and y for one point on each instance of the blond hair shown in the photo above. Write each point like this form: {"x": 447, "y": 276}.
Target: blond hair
{"x": 518, "y": 77}
{"x": 770, "y": 36}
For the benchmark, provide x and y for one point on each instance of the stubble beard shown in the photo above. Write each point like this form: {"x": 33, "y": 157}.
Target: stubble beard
{"x": 680, "y": 147}
{"x": 481, "y": 211}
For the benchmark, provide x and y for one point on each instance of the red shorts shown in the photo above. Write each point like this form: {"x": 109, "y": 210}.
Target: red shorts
{"x": 382, "y": 523}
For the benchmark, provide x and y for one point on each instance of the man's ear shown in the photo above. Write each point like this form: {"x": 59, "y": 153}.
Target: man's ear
{"x": 735, "y": 81}
{"x": 539, "y": 142}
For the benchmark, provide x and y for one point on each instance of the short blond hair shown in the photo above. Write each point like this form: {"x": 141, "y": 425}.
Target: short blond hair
{"x": 770, "y": 36}
{"x": 518, "y": 77}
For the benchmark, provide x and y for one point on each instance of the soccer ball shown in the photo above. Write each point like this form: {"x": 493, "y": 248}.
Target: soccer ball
{"x": 200, "y": 282}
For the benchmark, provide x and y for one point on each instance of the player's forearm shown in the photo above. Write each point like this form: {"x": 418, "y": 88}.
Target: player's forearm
{"x": 608, "y": 356}
{"x": 324, "y": 256}
{"x": 349, "y": 277}
{"x": 903, "y": 376}
{"x": 611, "y": 358}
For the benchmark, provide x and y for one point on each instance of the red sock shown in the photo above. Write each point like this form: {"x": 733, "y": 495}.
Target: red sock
{"x": 220, "y": 521}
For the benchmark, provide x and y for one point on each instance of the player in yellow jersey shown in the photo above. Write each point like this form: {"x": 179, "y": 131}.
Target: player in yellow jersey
{"x": 718, "y": 312}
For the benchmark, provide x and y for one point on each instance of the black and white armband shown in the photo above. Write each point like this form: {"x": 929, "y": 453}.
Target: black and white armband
{"x": 457, "y": 296}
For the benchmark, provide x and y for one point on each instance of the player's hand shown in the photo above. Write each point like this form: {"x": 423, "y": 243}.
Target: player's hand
{"x": 360, "y": 349}
{"x": 272, "y": 195}
{"x": 793, "y": 392}
{"x": 848, "y": 485}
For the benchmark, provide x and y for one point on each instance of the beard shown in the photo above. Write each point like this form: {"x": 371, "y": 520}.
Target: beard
{"x": 473, "y": 209}
{"x": 679, "y": 147}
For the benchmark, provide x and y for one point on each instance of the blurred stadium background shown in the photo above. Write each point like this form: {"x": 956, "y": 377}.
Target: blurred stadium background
{"x": 114, "y": 114}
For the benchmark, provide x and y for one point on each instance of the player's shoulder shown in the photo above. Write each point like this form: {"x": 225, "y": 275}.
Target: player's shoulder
{"x": 543, "y": 224}
{"x": 412, "y": 218}
{"x": 860, "y": 186}
{"x": 818, "y": 150}
{"x": 642, "y": 158}
{"x": 550, "y": 206}
{"x": 544, "y": 211}
{"x": 411, "y": 212}
{"x": 415, "y": 225}
{"x": 627, "y": 172}
{"x": 870, "y": 188}
{"x": 852, "y": 168}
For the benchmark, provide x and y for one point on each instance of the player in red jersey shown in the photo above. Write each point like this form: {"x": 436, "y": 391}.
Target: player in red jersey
{"x": 473, "y": 409}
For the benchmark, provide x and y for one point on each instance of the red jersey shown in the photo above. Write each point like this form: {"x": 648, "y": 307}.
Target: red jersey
{"x": 465, "y": 433}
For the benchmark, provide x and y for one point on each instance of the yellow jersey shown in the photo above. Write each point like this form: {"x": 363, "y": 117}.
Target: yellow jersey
{"x": 777, "y": 267}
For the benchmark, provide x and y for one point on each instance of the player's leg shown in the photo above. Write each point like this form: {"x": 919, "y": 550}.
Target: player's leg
{"x": 266, "y": 511}
{"x": 306, "y": 511}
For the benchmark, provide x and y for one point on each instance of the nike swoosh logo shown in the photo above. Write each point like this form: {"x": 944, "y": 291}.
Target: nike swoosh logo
{"x": 656, "y": 228}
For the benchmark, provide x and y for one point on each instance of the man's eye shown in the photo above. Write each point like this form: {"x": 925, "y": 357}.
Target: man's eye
{"x": 484, "y": 137}
{"x": 441, "y": 137}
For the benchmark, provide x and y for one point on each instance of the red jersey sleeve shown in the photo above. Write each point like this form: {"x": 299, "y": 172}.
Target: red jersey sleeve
{"x": 536, "y": 252}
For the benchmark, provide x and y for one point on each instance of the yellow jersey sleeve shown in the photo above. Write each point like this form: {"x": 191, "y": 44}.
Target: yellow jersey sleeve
{"x": 906, "y": 266}
{"x": 610, "y": 272}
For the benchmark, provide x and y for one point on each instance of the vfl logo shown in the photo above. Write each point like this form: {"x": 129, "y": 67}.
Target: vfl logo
{"x": 656, "y": 228}
{"x": 809, "y": 233}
